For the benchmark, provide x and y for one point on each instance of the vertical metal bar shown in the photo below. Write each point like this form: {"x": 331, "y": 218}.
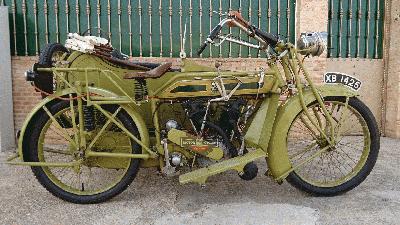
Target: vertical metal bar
{"x": 161, "y": 33}
{"x": 119, "y": 25}
{"x": 340, "y": 27}
{"x": 98, "y": 18}
{"x": 88, "y": 17}
{"x": 210, "y": 17}
{"x": 56, "y": 15}
{"x": 368, "y": 17}
{"x": 220, "y": 18}
{"x": 130, "y": 27}
{"x": 150, "y": 11}
{"x": 25, "y": 30}
{"x": 46, "y": 24}
{"x": 240, "y": 30}
{"x": 14, "y": 11}
{"x": 190, "y": 28}
{"x": 350, "y": 18}
{"x": 36, "y": 27}
{"x": 269, "y": 16}
{"x": 377, "y": 20}
{"x": 230, "y": 30}
{"x": 66, "y": 14}
{"x": 248, "y": 38}
{"x": 180, "y": 23}
{"x": 259, "y": 23}
{"x": 359, "y": 14}
{"x": 200, "y": 24}
{"x": 140, "y": 29}
{"x": 330, "y": 22}
{"x": 278, "y": 15}
{"x": 170, "y": 28}
{"x": 288, "y": 20}
{"x": 109, "y": 20}
{"x": 77, "y": 10}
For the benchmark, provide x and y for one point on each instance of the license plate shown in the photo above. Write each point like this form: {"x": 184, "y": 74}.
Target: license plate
{"x": 341, "y": 78}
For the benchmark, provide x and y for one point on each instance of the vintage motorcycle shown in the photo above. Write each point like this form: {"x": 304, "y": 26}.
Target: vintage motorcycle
{"x": 103, "y": 117}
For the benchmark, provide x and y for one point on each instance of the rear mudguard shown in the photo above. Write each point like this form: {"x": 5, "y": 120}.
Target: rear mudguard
{"x": 52, "y": 99}
{"x": 278, "y": 159}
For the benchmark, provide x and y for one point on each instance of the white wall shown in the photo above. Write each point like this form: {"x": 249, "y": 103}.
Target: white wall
{"x": 7, "y": 138}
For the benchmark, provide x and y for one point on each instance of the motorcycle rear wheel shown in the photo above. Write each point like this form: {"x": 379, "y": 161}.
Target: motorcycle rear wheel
{"x": 339, "y": 169}
{"x": 97, "y": 179}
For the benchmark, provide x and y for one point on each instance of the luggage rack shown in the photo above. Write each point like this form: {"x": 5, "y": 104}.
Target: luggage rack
{"x": 80, "y": 86}
{"x": 80, "y": 91}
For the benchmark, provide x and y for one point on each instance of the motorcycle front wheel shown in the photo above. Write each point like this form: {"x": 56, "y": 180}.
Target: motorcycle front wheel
{"x": 95, "y": 179}
{"x": 340, "y": 168}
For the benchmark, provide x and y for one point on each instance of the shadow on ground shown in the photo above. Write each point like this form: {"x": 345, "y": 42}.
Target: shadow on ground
{"x": 226, "y": 199}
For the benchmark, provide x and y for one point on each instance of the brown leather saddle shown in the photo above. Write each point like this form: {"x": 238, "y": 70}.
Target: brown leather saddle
{"x": 153, "y": 73}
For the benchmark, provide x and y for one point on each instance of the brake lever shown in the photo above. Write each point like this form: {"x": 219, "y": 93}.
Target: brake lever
{"x": 222, "y": 39}
{"x": 221, "y": 14}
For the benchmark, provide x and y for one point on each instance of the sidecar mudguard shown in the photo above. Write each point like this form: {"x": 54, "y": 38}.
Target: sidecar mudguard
{"x": 278, "y": 159}
{"x": 52, "y": 99}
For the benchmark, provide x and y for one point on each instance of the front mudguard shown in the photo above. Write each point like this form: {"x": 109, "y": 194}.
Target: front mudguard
{"x": 278, "y": 159}
{"x": 54, "y": 98}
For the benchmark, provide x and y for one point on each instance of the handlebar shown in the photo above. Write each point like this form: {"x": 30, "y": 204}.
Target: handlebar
{"x": 269, "y": 38}
{"x": 202, "y": 47}
{"x": 213, "y": 34}
{"x": 236, "y": 19}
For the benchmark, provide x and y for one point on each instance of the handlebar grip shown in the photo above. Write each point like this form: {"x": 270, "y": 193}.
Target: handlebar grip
{"x": 202, "y": 47}
{"x": 271, "y": 39}
{"x": 214, "y": 33}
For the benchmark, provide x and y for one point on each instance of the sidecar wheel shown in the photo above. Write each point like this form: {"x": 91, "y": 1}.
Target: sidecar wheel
{"x": 97, "y": 179}
{"x": 339, "y": 169}
{"x": 50, "y": 54}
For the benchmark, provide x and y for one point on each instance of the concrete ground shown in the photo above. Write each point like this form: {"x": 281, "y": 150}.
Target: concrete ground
{"x": 226, "y": 199}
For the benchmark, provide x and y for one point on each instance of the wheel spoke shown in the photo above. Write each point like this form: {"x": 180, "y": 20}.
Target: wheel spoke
{"x": 335, "y": 165}
{"x": 96, "y": 174}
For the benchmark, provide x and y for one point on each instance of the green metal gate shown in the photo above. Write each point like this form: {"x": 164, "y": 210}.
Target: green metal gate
{"x": 143, "y": 27}
{"x": 355, "y": 28}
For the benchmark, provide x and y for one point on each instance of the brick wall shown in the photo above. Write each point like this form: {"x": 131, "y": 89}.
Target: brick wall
{"x": 392, "y": 43}
{"x": 24, "y": 96}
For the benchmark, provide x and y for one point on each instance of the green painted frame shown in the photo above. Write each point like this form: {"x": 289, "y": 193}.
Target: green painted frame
{"x": 275, "y": 122}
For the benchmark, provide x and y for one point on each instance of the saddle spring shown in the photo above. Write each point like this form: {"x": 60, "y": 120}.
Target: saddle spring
{"x": 140, "y": 90}
{"x": 89, "y": 119}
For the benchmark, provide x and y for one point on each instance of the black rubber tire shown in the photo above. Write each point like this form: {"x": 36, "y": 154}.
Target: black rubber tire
{"x": 47, "y": 53}
{"x": 45, "y": 80}
{"x": 369, "y": 118}
{"x": 74, "y": 198}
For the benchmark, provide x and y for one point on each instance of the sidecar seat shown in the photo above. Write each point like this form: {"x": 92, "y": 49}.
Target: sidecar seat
{"x": 154, "y": 73}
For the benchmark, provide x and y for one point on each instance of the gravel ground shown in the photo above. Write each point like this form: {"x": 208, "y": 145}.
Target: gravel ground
{"x": 226, "y": 199}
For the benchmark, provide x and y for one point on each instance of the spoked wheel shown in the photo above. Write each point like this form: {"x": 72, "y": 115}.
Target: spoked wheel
{"x": 339, "y": 168}
{"x": 52, "y": 53}
{"x": 82, "y": 179}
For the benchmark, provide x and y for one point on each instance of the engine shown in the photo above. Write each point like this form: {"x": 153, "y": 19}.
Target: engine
{"x": 220, "y": 126}
{"x": 222, "y": 115}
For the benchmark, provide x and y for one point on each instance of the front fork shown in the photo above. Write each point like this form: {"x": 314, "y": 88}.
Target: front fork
{"x": 331, "y": 139}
